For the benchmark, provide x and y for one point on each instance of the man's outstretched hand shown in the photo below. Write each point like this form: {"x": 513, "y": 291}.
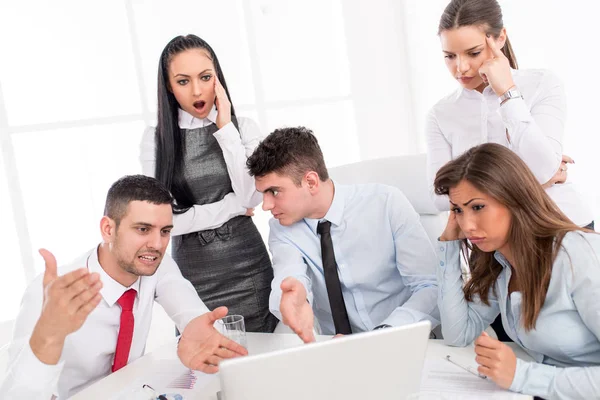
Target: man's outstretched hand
{"x": 202, "y": 347}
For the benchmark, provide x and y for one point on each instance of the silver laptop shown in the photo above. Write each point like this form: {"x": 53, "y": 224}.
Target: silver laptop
{"x": 379, "y": 365}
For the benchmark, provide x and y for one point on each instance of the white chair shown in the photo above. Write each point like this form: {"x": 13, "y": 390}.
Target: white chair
{"x": 407, "y": 173}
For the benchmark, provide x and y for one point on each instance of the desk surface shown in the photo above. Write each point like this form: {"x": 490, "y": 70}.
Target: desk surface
{"x": 118, "y": 384}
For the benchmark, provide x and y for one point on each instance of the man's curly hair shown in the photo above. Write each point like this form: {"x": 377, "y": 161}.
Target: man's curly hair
{"x": 290, "y": 152}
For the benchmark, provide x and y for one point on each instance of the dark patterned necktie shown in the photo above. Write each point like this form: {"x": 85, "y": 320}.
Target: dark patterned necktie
{"x": 332, "y": 281}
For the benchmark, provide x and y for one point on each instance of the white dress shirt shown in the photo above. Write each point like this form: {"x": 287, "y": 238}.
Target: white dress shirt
{"x": 386, "y": 262}
{"x": 535, "y": 125}
{"x": 88, "y": 353}
{"x": 237, "y": 147}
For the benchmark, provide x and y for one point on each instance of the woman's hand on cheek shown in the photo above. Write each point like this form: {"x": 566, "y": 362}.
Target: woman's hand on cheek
{"x": 452, "y": 230}
{"x": 222, "y": 103}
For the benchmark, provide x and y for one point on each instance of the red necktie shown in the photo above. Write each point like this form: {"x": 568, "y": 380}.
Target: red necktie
{"x": 125, "y": 330}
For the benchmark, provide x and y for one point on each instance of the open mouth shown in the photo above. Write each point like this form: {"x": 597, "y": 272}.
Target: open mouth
{"x": 199, "y": 105}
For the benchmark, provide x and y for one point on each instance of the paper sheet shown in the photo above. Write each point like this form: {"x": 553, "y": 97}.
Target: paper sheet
{"x": 169, "y": 376}
{"x": 443, "y": 380}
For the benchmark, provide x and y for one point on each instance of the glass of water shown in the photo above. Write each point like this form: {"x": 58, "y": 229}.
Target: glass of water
{"x": 233, "y": 327}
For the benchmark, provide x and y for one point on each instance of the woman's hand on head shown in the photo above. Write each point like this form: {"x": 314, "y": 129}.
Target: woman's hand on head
{"x": 496, "y": 70}
{"x": 452, "y": 231}
{"x": 223, "y": 104}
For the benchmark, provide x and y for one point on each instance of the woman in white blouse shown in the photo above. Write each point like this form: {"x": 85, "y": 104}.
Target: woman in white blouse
{"x": 523, "y": 110}
{"x": 199, "y": 150}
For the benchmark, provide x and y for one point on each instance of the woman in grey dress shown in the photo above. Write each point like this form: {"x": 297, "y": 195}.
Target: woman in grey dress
{"x": 199, "y": 150}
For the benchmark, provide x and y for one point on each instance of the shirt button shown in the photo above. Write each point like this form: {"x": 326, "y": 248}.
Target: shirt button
{"x": 441, "y": 263}
{"x": 442, "y": 248}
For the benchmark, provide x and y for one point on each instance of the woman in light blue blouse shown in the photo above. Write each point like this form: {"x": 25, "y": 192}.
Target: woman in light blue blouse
{"x": 530, "y": 264}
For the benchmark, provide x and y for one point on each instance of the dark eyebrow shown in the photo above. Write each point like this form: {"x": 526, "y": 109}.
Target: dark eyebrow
{"x": 271, "y": 188}
{"x": 466, "y": 51}
{"x": 187, "y": 76}
{"x": 467, "y": 203}
{"x": 475, "y": 198}
{"x": 147, "y": 225}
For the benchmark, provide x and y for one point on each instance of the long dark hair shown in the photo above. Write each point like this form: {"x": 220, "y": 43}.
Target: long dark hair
{"x": 537, "y": 225}
{"x": 168, "y": 137}
{"x": 486, "y": 13}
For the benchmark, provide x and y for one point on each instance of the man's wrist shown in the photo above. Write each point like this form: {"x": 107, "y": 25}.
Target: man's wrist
{"x": 46, "y": 348}
{"x": 44, "y": 338}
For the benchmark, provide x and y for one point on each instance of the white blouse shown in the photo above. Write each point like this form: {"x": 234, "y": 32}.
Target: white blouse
{"x": 237, "y": 147}
{"x": 535, "y": 126}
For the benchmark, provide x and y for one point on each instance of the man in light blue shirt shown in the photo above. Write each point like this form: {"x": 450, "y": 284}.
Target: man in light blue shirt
{"x": 385, "y": 261}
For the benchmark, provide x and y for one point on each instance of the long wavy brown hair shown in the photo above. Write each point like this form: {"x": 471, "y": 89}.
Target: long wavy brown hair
{"x": 536, "y": 231}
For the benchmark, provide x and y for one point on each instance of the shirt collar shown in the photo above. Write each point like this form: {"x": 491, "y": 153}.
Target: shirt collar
{"x": 111, "y": 290}
{"x": 335, "y": 213}
{"x": 472, "y": 93}
{"x": 501, "y": 259}
{"x": 188, "y": 121}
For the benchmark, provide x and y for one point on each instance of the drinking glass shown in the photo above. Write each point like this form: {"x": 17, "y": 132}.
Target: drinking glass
{"x": 232, "y": 327}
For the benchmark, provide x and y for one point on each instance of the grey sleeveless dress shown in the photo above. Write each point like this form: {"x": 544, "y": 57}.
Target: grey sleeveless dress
{"x": 228, "y": 266}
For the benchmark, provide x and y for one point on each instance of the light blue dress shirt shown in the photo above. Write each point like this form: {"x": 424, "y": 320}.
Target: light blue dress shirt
{"x": 565, "y": 343}
{"x": 385, "y": 259}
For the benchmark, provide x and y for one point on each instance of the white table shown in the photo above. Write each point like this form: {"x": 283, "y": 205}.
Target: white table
{"x": 165, "y": 357}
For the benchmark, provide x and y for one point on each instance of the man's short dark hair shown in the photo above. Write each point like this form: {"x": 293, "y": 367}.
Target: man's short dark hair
{"x": 288, "y": 151}
{"x": 134, "y": 188}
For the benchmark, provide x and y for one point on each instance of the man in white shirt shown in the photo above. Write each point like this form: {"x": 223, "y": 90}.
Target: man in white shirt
{"x": 79, "y": 322}
{"x": 355, "y": 257}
